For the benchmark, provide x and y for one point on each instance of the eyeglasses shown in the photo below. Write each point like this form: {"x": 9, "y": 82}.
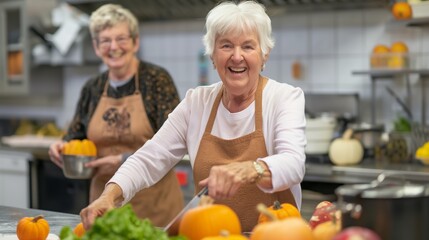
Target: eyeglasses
{"x": 105, "y": 43}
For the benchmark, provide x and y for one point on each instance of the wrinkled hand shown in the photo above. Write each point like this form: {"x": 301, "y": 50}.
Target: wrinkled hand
{"x": 106, "y": 165}
{"x": 224, "y": 180}
{"x": 55, "y": 153}
{"x": 94, "y": 210}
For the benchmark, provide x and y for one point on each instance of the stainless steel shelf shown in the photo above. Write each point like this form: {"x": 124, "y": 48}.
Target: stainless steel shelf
{"x": 389, "y": 74}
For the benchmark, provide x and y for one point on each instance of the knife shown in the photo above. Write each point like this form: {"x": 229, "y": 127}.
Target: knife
{"x": 192, "y": 204}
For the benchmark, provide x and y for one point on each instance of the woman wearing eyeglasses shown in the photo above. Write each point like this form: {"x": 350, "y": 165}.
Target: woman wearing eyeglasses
{"x": 121, "y": 109}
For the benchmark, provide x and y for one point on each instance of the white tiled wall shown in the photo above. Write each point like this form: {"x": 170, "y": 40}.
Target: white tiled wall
{"x": 329, "y": 45}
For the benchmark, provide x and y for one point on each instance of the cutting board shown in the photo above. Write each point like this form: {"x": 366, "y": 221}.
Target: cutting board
{"x": 51, "y": 236}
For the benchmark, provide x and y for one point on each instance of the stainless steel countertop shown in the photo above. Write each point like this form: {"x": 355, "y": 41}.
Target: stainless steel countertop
{"x": 366, "y": 171}
{"x": 9, "y": 217}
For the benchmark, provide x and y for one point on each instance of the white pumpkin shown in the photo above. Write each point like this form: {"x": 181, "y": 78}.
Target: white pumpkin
{"x": 346, "y": 150}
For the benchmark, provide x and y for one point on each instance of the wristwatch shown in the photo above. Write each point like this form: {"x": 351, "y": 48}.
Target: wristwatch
{"x": 259, "y": 168}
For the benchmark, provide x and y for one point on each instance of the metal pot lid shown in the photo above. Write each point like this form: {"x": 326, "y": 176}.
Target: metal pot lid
{"x": 383, "y": 191}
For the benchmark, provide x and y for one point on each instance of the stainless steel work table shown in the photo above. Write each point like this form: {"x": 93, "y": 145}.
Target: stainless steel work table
{"x": 9, "y": 217}
{"x": 366, "y": 171}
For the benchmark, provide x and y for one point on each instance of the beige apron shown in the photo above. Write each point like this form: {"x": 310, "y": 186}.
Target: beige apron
{"x": 121, "y": 125}
{"x": 216, "y": 151}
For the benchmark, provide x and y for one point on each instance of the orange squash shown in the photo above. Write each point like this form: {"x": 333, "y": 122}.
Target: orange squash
{"x": 83, "y": 147}
{"x": 209, "y": 220}
{"x": 399, "y": 47}
{"x": 32, "y": 228}
{"x": 326, "y": 230}
{"x": 379, "y": 56}
{"x": 402, "y": 10}
{"x": 224, "y": 235}
{"x": 292, "y": 228}
{"x": 280, "y": 211}
{"x": 79, "y": 230}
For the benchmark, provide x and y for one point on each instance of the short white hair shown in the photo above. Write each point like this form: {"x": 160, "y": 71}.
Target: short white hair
{"x": 238, "y": 17}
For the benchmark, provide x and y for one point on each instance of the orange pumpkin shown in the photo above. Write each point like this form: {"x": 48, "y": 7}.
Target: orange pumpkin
{"x": 379, "y": 56}
{"x": 79, "y": 230}
{"x": 402, "y": 10}
{"x": 326, "y": 230}
{"x": 292, "y": 228}
{"x": 380, "y": 48}
{"x": 32, "y": 228}
{"x": 399, "y": 47}
{"x": 224, "y": 235}
{"x": 83, "y": 147}
{"x": 280, "y": 211}
{"x": 209, "y": 220}
{"x": 399, "y": 55}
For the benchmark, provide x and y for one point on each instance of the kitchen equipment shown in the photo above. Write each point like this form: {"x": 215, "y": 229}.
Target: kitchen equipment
{"x": 369, "y": 135}
{"x": 394, "y": 209}
{"x": 319, "y": 133}
{"x": 173, "y": 225}
{"x": 74, "y": 166}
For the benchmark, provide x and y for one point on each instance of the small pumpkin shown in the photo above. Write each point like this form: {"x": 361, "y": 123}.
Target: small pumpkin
{"x": 379, "y": 56}
{"x": 83, "y": 147}
{"x": 32, "y": 228}
{"x": 402, "y": 10}
{"x": 79, "y": 230}
{"x": 209, "y": 219}
{"x": 291, "y": 228}
{"x": 281, "y": 211}
{"x": 346, "y": 150}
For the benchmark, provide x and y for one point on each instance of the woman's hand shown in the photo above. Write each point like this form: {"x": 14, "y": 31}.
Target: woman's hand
{"x": 55, "y": 153}
{"x": 224, "y": 180}
{"x": 106, "y": 165}
{"x": 109, "y": 199}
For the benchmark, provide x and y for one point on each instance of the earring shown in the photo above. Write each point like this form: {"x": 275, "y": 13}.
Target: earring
{"x": 214, "y": 66}
{"x": 263, "y": 66}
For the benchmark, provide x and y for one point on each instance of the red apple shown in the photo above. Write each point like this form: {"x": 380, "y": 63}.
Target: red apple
{"x": 323, "y": 212}
{"x": 357, "y": 233}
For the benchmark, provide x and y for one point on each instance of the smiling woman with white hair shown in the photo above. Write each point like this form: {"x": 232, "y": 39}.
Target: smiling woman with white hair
{"x": 244, "y": 134}
{"x": 120, "y": 109}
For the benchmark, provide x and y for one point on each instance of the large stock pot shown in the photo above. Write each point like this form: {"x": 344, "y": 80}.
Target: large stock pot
{"x": 393, "y": 209}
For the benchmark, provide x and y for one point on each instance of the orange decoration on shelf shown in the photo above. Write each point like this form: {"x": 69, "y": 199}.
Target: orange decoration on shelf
{"x": 399, "y": 47}
{"x": 402, "y": 10}
{"x": 380, "y": 49}
{"x": 379, "y": 56}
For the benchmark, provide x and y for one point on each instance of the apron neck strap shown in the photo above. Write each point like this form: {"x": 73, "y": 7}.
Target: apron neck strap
{"x": 258, "y": 106}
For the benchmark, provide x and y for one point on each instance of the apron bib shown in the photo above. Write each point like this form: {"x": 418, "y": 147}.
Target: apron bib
{"x": 216, "y": 151}
{"x": 122, "y": 125}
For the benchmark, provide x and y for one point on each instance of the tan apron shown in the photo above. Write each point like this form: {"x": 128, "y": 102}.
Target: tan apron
{"x": 121, "y": 125}
{"x": 216, "y": 151}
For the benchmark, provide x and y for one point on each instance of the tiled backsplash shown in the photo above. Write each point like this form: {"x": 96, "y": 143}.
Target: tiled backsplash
{"x": 328, "y": 44}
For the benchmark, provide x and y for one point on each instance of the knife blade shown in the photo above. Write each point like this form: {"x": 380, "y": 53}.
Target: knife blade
{"x": 192, "y": 204}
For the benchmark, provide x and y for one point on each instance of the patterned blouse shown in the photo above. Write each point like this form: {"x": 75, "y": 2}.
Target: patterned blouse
{"x": 158, "y": 92}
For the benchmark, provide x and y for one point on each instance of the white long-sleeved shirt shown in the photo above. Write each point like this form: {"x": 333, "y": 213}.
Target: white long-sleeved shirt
{"x": 283, "y": 127}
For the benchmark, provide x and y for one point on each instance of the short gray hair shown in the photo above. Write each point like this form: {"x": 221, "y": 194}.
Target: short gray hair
{"x": 108, "y": 16}
{"x": 231, "y": 16}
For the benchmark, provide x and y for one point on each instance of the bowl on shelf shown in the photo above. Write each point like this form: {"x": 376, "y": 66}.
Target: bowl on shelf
{"x": 74, "y": 166}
